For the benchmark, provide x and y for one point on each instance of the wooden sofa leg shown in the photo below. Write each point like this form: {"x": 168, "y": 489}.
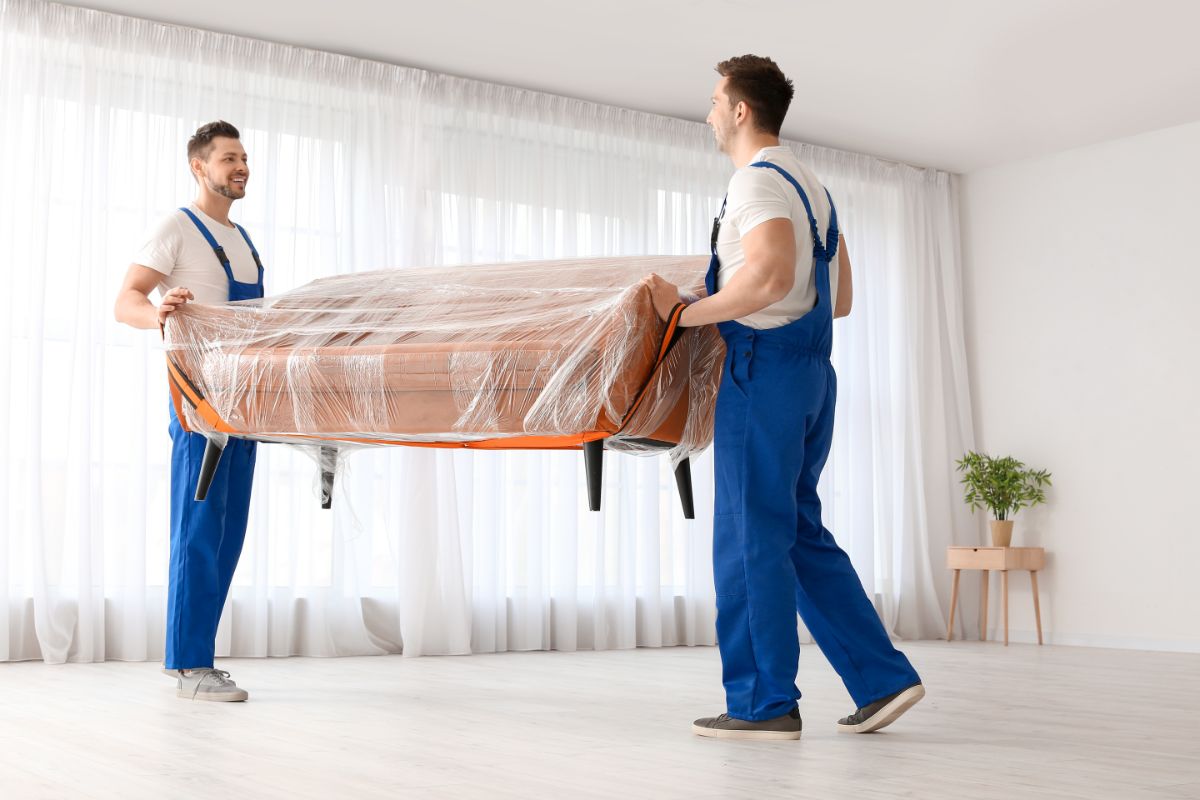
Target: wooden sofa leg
{"x": 208, "y": 466}
{"x": 328, "y": 468}
{"x": 683, "y": 482}
{"x": 593, "y": 463}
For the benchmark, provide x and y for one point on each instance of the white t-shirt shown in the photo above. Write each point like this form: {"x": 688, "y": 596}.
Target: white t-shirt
{"x": 758, "y": 194}
{"x": 176, "y": 248}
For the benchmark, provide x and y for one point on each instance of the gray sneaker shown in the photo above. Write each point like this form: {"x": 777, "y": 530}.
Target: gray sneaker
{"x": 208, "y": 684}
{"x": 726, "y": 727}
{"x": 882, "y": 712}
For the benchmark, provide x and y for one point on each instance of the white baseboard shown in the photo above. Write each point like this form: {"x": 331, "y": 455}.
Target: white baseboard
{"x": 1099, "y": 640}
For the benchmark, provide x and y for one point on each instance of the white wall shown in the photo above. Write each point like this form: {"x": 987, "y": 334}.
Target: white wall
{"x": 1081, "y": 292}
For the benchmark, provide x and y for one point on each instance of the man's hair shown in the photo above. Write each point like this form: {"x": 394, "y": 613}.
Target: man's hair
{"x": 200, "y": 145}
{"x": 759, "y": 83}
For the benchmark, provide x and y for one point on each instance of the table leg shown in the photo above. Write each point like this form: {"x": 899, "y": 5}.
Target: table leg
{"x": 953, "y": 603}
{"x": 983, "y": 607}
{"x": 1004, "y": 592}
{"x": 1037, "y": 611}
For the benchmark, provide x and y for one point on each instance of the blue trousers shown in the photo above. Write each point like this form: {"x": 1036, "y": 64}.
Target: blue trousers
{"x": 206, "y": 541}
{"x": 772, "y": 556}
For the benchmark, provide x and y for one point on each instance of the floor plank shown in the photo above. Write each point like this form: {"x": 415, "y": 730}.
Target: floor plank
{"x": 1048, "y": 722}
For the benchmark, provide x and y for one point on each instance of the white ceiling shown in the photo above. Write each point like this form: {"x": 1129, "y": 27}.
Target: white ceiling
{"x": 955, "y": 84}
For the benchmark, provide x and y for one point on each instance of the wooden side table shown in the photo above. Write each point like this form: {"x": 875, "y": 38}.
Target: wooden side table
{"x": 995, "y": 558}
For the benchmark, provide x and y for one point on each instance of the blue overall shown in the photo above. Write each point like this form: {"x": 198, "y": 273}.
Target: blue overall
{"x": 206, "y": 536}
{"x": 772, "y": 556}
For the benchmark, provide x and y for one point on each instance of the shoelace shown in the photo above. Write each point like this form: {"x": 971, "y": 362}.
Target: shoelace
{"x": 219, "y": 677}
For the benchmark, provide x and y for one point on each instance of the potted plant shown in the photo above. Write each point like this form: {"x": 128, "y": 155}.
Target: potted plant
{"x": 1003, "y": 485}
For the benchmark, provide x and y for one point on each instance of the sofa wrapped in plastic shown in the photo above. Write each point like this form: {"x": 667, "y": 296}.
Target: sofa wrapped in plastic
{"x": 548, "y": 354}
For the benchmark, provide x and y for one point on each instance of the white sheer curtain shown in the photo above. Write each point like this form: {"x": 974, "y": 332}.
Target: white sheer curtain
{"x": 359, "y": 165}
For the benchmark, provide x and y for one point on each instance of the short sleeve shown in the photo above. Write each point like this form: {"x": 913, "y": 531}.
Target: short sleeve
{"x": 755, "y": 196}
{"x": 161, "y": 247}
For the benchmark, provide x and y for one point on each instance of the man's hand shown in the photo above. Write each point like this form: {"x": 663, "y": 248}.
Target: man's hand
{"x": 173, "y": 300}
{"x": 665, "y": 294}
{"x": 134, "y": 307}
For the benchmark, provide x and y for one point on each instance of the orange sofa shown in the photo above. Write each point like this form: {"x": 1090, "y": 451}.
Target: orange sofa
{"x": 550, "y": 354}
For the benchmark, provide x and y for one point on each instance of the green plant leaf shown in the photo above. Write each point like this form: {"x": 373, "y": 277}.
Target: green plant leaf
{"x": 1002, "y": 485}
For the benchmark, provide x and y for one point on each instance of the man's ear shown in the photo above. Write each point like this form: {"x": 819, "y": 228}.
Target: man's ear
{"x": 196, "y": 164}
{"x": 740, "y": 111}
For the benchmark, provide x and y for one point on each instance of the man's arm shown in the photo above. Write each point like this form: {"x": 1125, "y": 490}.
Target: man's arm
{"x": 845, "y": 292}
{"x": 133, "y": 306}
{"x": 767, "y": 276}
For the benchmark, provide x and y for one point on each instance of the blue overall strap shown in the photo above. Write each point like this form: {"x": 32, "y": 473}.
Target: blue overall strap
{"x": 820, "y": 252}
{"x": 833, "y": 233}
{"x": 212, "y": 242}
{"x": 254, "y": 252}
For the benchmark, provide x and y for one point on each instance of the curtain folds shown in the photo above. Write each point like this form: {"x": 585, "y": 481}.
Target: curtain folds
{"x": 358, "y": 165}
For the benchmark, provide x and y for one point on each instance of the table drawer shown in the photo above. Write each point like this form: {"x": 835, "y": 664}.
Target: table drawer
{"x": 975, "y": 558}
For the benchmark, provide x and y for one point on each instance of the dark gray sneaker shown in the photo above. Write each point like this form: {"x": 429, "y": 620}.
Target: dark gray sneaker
{"x": 882, "y": 712}
{"x": 726, "y": 727}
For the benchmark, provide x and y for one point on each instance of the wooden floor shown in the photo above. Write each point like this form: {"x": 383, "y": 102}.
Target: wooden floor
{"x": 1021, "y": 722}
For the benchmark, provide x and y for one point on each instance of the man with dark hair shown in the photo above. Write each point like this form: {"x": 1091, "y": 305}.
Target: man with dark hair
{"x": 773, "y": 296}
{"x": 196, "y": 253}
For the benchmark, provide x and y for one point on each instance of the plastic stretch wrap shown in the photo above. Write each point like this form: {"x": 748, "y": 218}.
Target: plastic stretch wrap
{"x": 544, "y": 354}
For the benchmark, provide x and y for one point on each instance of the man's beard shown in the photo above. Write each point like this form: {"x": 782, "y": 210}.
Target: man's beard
{"x": 719, "y": 139}
{"x": 225, "y": 190}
